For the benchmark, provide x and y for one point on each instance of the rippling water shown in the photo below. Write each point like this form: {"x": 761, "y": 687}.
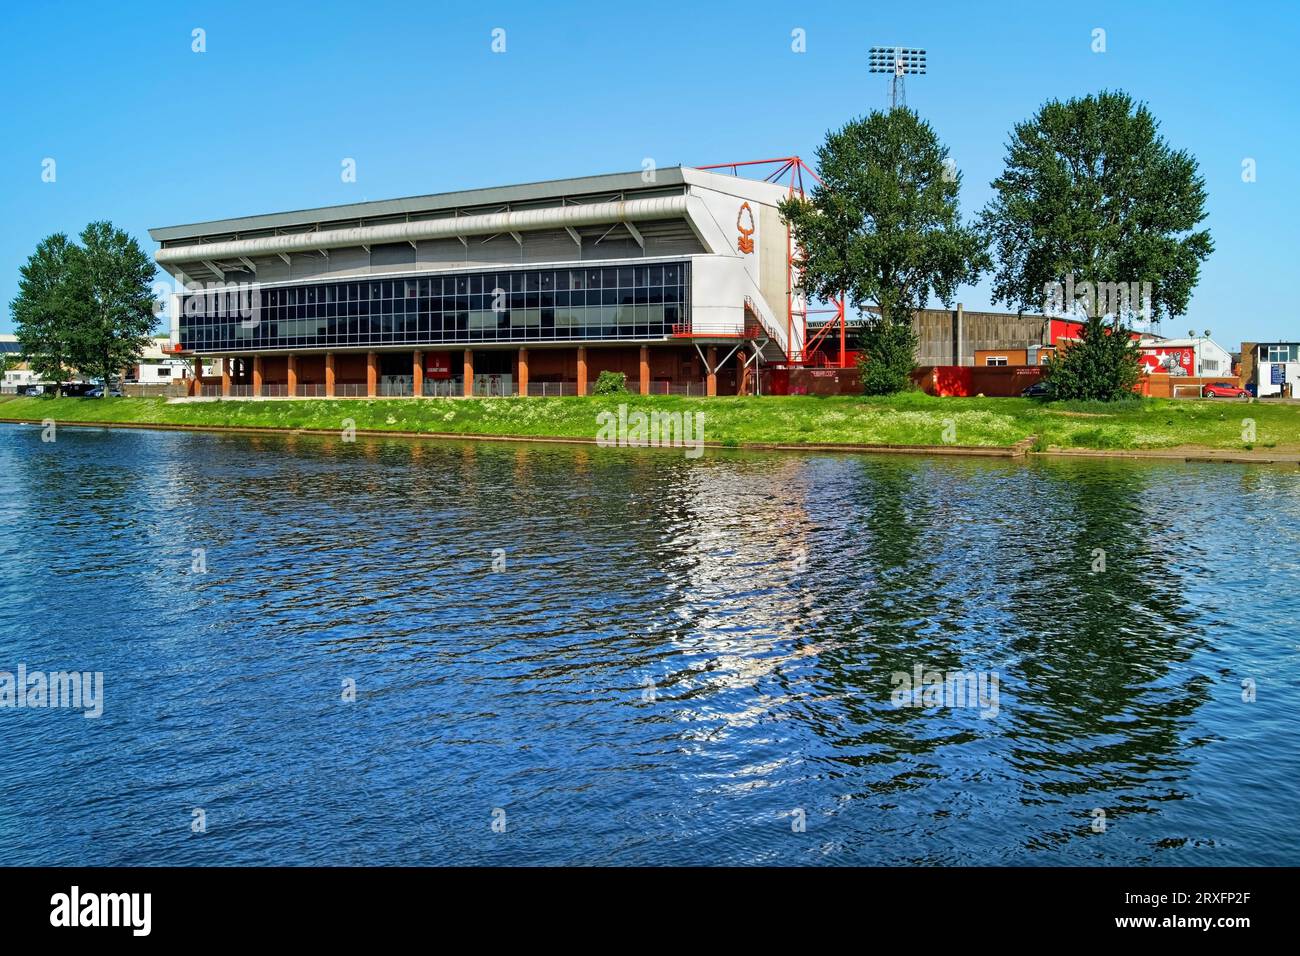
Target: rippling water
{"x": 680, "y": 662}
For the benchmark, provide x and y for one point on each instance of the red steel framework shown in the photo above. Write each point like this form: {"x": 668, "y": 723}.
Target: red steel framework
{"x": 791, "y": 170}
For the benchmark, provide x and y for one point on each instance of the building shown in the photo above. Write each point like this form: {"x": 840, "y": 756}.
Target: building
{"x": 678, "y": 278}
{"x": 1273, "y": 368}
{"x": 18, "y": 376}
{"x": 1029, "y": 355}
{"x": 960, "y": 337}
{"x": 158, "y": 367}
{"x": 1197, "y": 357}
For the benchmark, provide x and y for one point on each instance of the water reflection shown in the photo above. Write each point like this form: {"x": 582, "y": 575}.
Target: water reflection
{"x": 669, "y": 659}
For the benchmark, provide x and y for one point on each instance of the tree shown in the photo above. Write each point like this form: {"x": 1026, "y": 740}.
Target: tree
{"x": 43, "y": 311}
{"x": 1095, "y": 216}
{"x": 887, "y": 356}
{"x": 883, "y": 227}
{"x": 110, "y": 278}
{"x": 1101, "y": 366}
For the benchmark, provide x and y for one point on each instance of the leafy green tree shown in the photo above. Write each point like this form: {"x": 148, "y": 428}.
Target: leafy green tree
{"x": 887, "y": 356}
{"x": 1093, "y": 200}
{"x": 1101, "y": 366}
{"x": 113, "y": 301}
{"x": 883, "y": 227}
{"x": 43, "y": 309}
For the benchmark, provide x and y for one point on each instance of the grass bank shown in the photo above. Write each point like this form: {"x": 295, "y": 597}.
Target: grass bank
{"x": 908, "y": 419}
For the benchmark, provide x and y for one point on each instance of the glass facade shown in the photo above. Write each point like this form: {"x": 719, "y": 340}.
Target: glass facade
{"x": 600, "y": 302}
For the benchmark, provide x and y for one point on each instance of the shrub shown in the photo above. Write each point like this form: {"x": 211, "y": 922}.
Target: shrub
{"x": 610, "y": 383}
{"x": 888, "y": 356}
{"x": 1102, "y": 366}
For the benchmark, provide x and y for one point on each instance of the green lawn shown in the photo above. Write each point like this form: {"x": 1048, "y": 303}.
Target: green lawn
{"x": 908, "y": 419}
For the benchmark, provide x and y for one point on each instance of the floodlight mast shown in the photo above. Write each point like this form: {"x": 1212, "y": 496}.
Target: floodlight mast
{"x": 898, "y": 62}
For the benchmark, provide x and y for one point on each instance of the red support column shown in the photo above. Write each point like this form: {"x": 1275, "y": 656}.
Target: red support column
{"x": 417, "y": 374}
{"x": 844, "y": 358}
{"x": 742, "y": 374}
{"x": 645, "y": 370}
{"x": 329, "y": 374}
{"x": 582, "y": 370}
{"x": 711, "y": 386}
{"x": 372, "y": 374}
{"x": 292, "y": 365}
{"x": 257, "y": 375}
{"x": 523, "y": 371}
{"x": 225, "y": 377}
{"x": 197, "y": 387}
{"x": 469, "y": 373}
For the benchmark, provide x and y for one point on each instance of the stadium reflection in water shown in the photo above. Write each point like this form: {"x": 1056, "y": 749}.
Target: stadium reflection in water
{"x": 673, "y": 661}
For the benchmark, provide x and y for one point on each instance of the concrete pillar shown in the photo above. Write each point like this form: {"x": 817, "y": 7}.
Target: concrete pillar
{"x": 225, "y": 376}
{"x": 645, "y": 370}
{"x": 293, "y": 374}
{"x": 523, "y": 370}
{"x": 329, "y": 374}
{"x": 257, "y": 375}
{"x": 197, "y": 387}
{"x": 469, "y": 373}
{"x": 582, "y": 370}
{"x": 960, "y": 357}
{"x": 711, "y": 386}
{"x": 417, "y": 374}
{"x": 372, "y": 374}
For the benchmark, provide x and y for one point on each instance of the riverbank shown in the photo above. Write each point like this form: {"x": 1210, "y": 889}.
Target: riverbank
{"x": 1220, "y": 429}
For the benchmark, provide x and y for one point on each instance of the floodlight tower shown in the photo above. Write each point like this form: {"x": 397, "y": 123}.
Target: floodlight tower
{"x": 898, "y": 61}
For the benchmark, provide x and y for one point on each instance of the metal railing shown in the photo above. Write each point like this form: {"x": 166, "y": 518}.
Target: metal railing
{"x": 752, "y": 308}
{"x": 397, "y": 386}
{"x": 677, "y": 388}
{"x": 403, "y": 387}
{"x": 552, "y": 389}
{"x": 442, "y": 388}
{"x": 494, "y": 386}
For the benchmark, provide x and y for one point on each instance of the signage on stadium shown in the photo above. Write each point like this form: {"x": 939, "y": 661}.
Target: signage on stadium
{"x": 437, "y": 364}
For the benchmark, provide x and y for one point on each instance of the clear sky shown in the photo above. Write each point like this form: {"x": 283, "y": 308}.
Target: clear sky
{"x": 145, "y": 132}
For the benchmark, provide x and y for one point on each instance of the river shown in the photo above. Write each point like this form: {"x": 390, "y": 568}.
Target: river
{"x": 390, "y": 651}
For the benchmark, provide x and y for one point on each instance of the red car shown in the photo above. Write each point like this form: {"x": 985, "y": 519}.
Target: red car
{"x": 1224, "y": 390}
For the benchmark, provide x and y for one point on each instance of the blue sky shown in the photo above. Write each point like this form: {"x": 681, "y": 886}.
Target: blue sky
{"x": 145, "y": 132}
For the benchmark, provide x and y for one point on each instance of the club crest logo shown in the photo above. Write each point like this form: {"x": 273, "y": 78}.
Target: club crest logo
{"x": 746, "y": 241}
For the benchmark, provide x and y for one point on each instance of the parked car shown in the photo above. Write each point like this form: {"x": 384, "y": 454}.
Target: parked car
{"x": 98, "y": 392}
{"x": 1037, "y": 390}
{"x": 1224, "y": 390}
